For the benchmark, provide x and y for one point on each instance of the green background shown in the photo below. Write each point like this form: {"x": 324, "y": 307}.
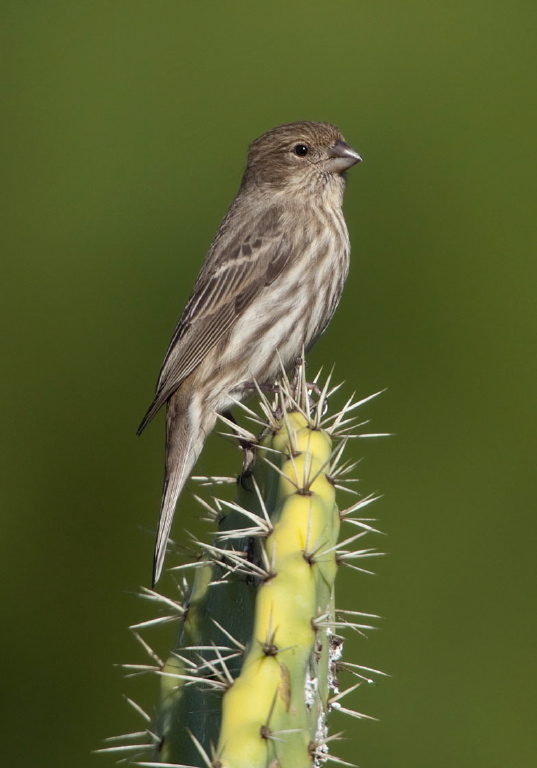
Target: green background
{"x": 124, "y": 131}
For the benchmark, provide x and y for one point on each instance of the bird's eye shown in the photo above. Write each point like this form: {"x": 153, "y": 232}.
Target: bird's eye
{"x": 301, "y": 150}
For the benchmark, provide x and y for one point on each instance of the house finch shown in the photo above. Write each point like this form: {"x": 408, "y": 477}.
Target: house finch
{"x": 268, "y": 287}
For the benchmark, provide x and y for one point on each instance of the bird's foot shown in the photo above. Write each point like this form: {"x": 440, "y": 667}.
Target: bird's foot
{"x": 251, "y": 386}
{"x": 248, "y": 462}
{"x": 299, "y": 384}
{"x": 248, "y": 448}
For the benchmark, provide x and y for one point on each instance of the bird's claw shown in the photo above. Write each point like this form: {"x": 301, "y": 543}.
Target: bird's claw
{"x": 247, "y": 463}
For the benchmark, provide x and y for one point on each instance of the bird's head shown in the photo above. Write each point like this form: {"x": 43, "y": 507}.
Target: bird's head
{"x": 299, "y": 156}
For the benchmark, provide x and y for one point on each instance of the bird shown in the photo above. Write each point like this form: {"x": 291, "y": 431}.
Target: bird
{"x": 267, "y": 289}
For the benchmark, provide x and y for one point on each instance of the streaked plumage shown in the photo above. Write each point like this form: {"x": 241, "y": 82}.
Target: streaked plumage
{"x": 269, "y": 286}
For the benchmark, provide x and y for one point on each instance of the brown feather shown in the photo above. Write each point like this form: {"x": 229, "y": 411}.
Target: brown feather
{"x": 218, "y": 299}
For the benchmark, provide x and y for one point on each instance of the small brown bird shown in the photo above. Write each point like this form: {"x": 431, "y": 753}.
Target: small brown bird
{"x": 268, "y": 287}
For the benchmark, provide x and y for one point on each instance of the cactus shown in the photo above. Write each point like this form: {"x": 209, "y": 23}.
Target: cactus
{"x": 254, "y": 672}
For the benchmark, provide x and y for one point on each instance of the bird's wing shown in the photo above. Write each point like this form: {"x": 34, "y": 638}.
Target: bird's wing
{"x": 234, "y": 274}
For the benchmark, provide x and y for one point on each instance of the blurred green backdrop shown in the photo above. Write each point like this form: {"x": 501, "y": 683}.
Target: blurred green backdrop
{"x": 124, "y": 132}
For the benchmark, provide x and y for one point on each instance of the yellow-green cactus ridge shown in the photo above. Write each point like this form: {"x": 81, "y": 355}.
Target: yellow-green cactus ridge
{"x": 267, "y": 703}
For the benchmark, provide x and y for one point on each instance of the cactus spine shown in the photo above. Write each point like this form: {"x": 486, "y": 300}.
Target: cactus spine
{"x": 253, "y": 675}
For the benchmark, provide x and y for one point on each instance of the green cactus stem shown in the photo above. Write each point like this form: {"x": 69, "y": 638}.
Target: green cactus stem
{"x": 254, "y": 673}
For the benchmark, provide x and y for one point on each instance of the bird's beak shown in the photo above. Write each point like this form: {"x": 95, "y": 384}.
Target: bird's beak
{"x": 342, "y": 156}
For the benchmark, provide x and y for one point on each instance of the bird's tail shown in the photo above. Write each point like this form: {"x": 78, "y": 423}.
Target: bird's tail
{"x": 185, "y": 435}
